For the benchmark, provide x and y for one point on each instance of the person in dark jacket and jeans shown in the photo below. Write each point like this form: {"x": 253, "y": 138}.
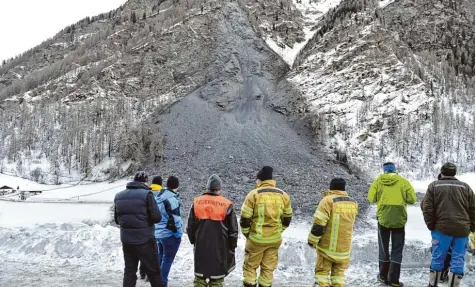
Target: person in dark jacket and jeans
{"x": 135, "y": 211}
{"x": 213, "y": 230}
{"x": 448, "y": 211}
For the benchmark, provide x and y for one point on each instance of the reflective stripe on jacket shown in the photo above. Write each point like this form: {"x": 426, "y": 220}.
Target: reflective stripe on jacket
{"x": 333, "y": 224}
{"x": 266, "y": 213}
{"x": 448, "y": 206}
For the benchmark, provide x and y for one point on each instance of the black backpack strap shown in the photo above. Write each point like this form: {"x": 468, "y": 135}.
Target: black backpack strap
{"x": 169, "y": 209}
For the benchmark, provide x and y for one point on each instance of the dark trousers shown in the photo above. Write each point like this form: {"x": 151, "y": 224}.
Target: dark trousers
{"x": 147, "y": 254}
{"x": 141, "y": 270}
{"x": 168, "y": 248}
{"x": 390, "y": 264}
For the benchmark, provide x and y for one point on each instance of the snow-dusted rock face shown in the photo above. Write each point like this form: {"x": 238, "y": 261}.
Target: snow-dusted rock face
{"x": 94, "y": 100}
{"x": 374, "y": 96}
{"x": 72, "y": 106}
{"x": 287, "y": 25}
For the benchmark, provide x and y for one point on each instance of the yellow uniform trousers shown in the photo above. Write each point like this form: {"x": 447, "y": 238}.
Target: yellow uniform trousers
{"x": 324, "y": 266}
{"x": 264, "y": 255}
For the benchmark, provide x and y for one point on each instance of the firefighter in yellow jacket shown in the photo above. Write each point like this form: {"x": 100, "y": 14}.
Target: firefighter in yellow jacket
{"x": 331, "y": 234}
{"x": 265, "y": 214}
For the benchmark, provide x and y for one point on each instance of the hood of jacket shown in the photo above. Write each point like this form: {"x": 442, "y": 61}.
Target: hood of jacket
{"x": 389, "y": 179}
{"x": 156, "y": 187}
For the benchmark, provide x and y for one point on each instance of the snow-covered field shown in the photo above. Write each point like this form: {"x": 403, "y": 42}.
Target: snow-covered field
{"x": 72, "y": 244}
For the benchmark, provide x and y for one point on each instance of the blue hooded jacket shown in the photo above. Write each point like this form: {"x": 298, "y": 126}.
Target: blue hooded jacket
{"x": 172, "y": 199}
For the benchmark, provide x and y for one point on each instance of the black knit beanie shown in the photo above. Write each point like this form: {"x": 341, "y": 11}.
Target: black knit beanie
{"x": 172, "y": 182}
{"x": 448, "y": 169}
{"x": 265, "y": 173}
{"x": 337, "y": 184}
{"x": 157, "y": 180}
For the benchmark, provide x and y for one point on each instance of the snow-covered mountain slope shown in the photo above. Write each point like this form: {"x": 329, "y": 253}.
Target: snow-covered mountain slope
{"x": 370, "y": 95}
{"x": 358, "y": 88}
{"x": 89, "y": 103}
{"x": 219, "y": 77}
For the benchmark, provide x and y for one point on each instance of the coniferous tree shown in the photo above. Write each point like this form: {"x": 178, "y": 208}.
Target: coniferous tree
{"x": 133, "y": 17}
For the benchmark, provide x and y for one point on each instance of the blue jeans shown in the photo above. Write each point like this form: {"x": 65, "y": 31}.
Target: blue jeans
{"x": 441, "y": 243}
{"x": 168, "y": 248}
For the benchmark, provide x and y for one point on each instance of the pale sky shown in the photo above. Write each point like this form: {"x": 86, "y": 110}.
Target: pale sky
{"x": 26, "y": 23}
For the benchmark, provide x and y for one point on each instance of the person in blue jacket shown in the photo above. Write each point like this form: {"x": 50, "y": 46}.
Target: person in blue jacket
{"x": 168, "y": 232}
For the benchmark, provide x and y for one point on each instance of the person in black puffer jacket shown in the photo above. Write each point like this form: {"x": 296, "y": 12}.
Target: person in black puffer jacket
{"x": 135, "y": 211}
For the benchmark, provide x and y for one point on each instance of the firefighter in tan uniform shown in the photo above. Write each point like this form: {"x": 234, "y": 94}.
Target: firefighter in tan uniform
{"x": 265, "y": 214}
{"x": 331, "y": 234}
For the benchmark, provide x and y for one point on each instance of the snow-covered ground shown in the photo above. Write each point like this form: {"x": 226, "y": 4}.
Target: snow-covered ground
{"x": 100, "y": 192}
{"x": 23, "y": 184}
{"x": 72, "y": 244}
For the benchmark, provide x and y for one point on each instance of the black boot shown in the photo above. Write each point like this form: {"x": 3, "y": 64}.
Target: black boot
{"x": 444, "y": 276}
{"x": 382, "y": 281}
{"x": 394, "y": 275}
{"x": 383, "y": 272}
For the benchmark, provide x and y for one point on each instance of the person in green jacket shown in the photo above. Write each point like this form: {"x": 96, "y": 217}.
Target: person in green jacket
{"x": 392, "y": 193}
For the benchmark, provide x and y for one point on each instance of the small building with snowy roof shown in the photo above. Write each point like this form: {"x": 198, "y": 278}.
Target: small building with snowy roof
{"x": 6, "y": 189}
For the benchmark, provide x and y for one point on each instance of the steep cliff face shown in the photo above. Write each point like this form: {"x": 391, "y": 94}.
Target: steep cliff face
{"x": 371, "y": 95}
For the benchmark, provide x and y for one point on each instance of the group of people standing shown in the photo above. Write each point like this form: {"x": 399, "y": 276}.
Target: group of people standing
{"x": 448, "y": 210}
{"x": 151, "y": 228}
